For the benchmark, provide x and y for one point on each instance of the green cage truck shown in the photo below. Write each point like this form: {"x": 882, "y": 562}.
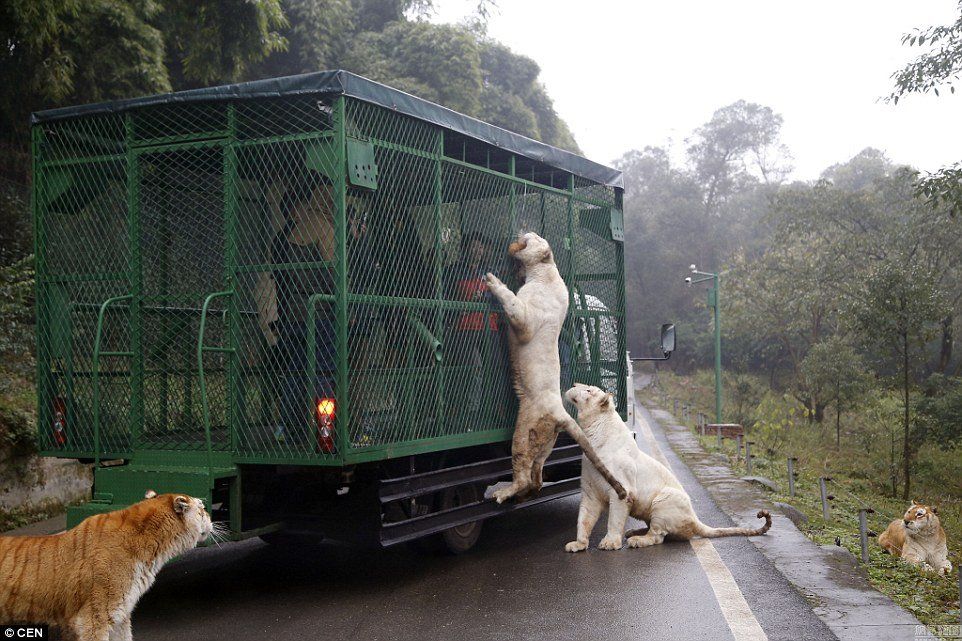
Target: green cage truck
{"x": 268, "y": 295}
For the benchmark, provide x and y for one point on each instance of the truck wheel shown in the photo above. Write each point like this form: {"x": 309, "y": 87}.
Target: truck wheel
{"x": 462, "y": 538}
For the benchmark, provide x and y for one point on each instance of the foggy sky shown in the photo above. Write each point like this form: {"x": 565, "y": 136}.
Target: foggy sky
{"x": 628, "y": 74}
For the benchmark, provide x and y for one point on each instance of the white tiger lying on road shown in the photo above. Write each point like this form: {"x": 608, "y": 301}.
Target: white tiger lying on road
{"x": 656, "y": 495}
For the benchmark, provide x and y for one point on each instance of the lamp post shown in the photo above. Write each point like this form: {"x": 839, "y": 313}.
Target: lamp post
{"x": 703, "y": 277}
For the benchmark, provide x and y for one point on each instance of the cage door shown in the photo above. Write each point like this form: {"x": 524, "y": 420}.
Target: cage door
{"x": 182, "y": 223}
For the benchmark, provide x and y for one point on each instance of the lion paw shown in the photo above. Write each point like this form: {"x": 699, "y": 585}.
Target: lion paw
{"x": 610, "y": 543}
{"x": 576, "y": 546}
{"x": 637, "y": 542}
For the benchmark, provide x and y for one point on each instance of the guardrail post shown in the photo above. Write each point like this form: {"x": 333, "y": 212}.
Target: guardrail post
{"x": 748, "y": 456}
{"x": 791, "y": 475}
{"x": 863, "y": 532}
{"x": 826, "y": 511}
{"x": 718, "y": 432}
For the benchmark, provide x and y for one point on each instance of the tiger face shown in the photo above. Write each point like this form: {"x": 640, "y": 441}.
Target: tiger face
{"x": 191, "y": 514}
{"x": 920, "y": 518}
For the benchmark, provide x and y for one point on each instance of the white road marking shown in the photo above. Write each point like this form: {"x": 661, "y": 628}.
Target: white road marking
{"x": 731, "y": 601}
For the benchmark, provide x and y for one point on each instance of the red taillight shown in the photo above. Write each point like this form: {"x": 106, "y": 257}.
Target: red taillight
{"x": 324, "y": 412}
{"x": 58, "y": 423}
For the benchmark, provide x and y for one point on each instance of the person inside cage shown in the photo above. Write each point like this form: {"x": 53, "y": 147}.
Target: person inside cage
{"x": 301, "y": 254}
{"x": 471, "y": 334}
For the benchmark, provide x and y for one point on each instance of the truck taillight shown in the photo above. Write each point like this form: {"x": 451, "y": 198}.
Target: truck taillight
{"x": 58, "y": 422}
{"x": 325, "y": 410}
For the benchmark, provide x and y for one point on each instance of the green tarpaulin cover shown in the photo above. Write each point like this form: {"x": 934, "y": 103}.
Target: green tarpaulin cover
{"x": 348, "y": 84}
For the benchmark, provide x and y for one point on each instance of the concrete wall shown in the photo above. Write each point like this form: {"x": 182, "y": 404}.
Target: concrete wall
{"x": 37, "y": 482}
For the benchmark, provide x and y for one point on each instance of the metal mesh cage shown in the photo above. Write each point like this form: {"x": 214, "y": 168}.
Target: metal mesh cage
{"x": 298, "y": 279}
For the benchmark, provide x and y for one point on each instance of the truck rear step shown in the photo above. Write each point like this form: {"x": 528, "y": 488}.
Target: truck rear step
{"x": 566, "y": 483}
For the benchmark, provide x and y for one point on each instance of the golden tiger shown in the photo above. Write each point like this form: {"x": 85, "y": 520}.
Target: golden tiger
{"x": 918, "y": 538}
{"x": 87, "y": 580}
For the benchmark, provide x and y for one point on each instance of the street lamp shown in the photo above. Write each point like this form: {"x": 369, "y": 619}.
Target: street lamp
{"x": 701, "y": 277}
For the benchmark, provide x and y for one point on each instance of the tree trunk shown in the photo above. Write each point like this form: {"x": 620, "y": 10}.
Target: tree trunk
{"x": 906, "y": 446}
{"x": 945, "y": 346}
{"x": 838, "y": 425}
{"x": 893, "y": 470}
{"x": 819, "y": 412}
{"x": 838, "y": 414}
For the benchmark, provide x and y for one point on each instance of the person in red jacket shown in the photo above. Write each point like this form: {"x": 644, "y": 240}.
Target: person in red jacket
{"x": 473, "y": 334}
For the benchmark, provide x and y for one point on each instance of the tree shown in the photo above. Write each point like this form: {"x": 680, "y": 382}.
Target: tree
{"x": 440, "y": 63}
{"x": 63, "y": 50}
{"x": 739, "y": 139}
{"x": 460, "y": 69}
{"x": 897, "y": 308}
{"x": 513, "y": 98}
{"x": 938, "y": 66}
{"x": 318, "y": 35}
{"x": 123, "y": 53}
{"x": 217, "y": 41}
{"x": 703, "y": 211}
{"x": 833, "y": 371}
{"x": 663, "y": 213}
{"x": 68, "y": 52}
{"x": 938, "y": 413}
{"x": 789, "y": 297}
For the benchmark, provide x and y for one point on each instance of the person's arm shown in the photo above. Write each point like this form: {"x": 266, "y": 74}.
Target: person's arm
{"x": 265, "y": 293}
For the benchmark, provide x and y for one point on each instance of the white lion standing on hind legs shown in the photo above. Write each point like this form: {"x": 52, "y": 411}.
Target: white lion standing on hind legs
{"x": 535, "y": 316}
{"x": 656, "y": 495}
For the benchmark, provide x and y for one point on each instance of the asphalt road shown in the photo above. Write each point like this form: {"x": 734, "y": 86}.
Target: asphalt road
{"x": 518, "y": 583}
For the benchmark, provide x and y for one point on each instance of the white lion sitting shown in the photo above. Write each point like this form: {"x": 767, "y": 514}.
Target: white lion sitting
{"x": 656, "y": 495}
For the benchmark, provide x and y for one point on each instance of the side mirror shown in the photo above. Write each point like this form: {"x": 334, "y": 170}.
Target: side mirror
{"x": 668, "y": 338}
{"x": 667, "y": 345}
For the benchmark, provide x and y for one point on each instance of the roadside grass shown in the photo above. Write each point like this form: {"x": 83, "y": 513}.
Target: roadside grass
{"x": 934, "y": 600}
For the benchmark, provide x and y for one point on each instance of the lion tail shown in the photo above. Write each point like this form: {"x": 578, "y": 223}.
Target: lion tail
{"x": 714, "y": 532}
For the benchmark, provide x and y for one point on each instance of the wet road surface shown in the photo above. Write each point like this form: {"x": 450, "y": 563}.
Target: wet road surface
{"x": 518, "y": 583}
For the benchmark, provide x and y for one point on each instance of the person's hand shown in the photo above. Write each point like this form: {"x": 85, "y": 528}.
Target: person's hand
{"x": 358, "y": 228}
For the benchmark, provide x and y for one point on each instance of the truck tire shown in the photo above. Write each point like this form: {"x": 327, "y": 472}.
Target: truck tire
{"x": 462, "y": 538}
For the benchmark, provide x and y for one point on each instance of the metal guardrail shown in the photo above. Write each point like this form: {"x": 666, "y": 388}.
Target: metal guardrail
{"x": 95, "y": 375}
{"x": 826, "y": 484}
{"x": 201, "y": 349}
